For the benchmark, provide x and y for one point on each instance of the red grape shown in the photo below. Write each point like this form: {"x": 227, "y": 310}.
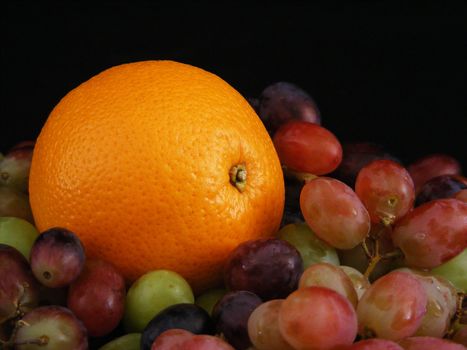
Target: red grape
{"x": 97, "y": 297}
{"x": 307, "y": 147}
{"x": 282, "y": 102}
{"x": 268, "y": 267}
{"x": 50, "y": 328}
{"x": 180, "y": 339}
{"x": 332, "y": 277}
{"x": 57, "y": 257}
{"x": 429, "y": 343}
{"x": 334, "y": 212}
{"x": 317, "y": 318}
{"x": 432, "y": 166}
{"x": 231, "y": 314}
{"x": 393, "y": 307}
{"x": 386, "y": 189}
{"x": 19, "y": 291}
{"x": 432, "y": 233}
{"x": 171, "y": 339}
{"x": 374, "y": 344}
{"x": 205, "y": 342}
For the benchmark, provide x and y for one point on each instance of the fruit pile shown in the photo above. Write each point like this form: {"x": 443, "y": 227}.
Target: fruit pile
{"x": 370, "y": 254}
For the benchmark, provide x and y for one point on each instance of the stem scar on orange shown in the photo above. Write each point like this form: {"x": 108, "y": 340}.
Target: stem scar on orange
{"x": 157, "y": 165}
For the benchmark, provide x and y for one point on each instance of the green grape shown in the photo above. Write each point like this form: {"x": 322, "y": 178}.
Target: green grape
{"x": 129, "y": 341}
{"x": 455, "y": 271}
{"x": 18, "y": 233}
{"x": 152, "y": 293}
{"x": 208, "y": 299}
{"x": 312, "y": 249}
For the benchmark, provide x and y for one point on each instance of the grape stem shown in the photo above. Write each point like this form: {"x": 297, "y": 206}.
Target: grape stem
{"x": 375, "y": 256}
{"x": 458, "y": 317}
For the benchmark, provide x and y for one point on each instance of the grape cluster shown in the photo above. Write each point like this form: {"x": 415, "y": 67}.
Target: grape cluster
{"x": 371, "y": 254}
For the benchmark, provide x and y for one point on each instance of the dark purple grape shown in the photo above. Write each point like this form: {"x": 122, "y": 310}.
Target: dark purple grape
{"x": 254, "y": 103}
{"x": 282, "y": 102}
{"x": 50, "y": 328}
{"x": 15, "y": 204}
{"x": 57, "y": 257}
{"x": 231, "y": 315}
{"x": 19, "y": 291}
{"x": 97, "y": 297}
{"x": 444, "y": 186}
{"x": 355, "y": 156}
{"x": 268, "y": 267}
{"x": 190, "y": 317}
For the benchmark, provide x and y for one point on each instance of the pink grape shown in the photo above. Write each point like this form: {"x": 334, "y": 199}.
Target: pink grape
{"x": 429, "y": 343}
{"x": 178, "y": 339}
{"x": 329, "y": 276}
{"x": 374, "y": 344}
{"x": 171, "y": 339}
{"x": 393, "y": 307}
{"x": 431, "y": 166}
{"x": 307, "y": 148}
{"x": 263, "y": 327}
{"x": 205, "y": 342}
{"x": 315, "y": 318}
{"x": 386, "y": 189}
{"x": 334, "y": 212}
{"x": 432, "y": 233}
{"x": 359, "y": 281}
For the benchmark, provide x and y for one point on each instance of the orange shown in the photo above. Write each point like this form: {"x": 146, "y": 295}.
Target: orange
{"x": 157, "y": 165}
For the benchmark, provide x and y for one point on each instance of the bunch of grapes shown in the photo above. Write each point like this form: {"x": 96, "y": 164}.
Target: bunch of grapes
{"x": 371, "y": 254}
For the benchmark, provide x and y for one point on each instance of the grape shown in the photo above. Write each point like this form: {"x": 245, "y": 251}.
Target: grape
{"x": 151, "y": 293}
{"x": 18, "y": 233}
{"x": 205, "y": 342}
{"x": 185, "y": 316}
{"x": 393, "y": 307}
{"x": 263, "y": 327}
{"x": 209, "y": 298}
{"x": 432, "y": 233}
{"x": 307, "y": 147}
{"x": 429, "y": 343}
{"x": 311, "y": 248}
{"x": 334, "y": 212}
{"x": 443, "y": 186}
{"x": 355, "y": 156}
{"x": 14, "y": 169}
{"x": 317, "y": 318}
{"x": 129, "y": 341}
{"x": 460, "y": 336}
{"x": 171, "y": 339}
{"x": 454, "y": 270}
{"x": 359, "y": 281}
{"x": 386, "y": 189}
{"x": 231, "y": 315}
{"x": 50, "y": 328}
{"x": 22, "y": 149}
{"x": 461, "y": 195}
{"x": 282, "y": 102}
{"x": 97, "y": 297}
{"x": 374, "y": 344}
{"x": 332, "y": 277}
{"x": 15, "y": 204}
{"x": 432, "y": 166}
{"x": 268, "y": 267}
{"x": 57, "y": 257}
{"x": 441, "y": 304}
{"x": 19, "y": 291}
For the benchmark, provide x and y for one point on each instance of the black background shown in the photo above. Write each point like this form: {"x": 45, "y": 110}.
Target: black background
{"x": 379, "y": 71}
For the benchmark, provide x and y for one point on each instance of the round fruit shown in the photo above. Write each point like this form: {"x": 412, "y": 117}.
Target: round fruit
{"x": 18, "y": 233}
{"x": 157, "y": 165}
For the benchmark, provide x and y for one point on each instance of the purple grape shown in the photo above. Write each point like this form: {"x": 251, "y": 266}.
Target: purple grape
{"x": 355, "y": 156}
{"x": 15, "y": 204}
{"x": 50, "y": 328}
{"x": 190, "y": 317}
{"x": 282, "y": 102}
{"x": 268, "y": 267}
{"x": 444, "y": 186}
{"x": 19, "y": 291}
{"x": 57, "y": 257}
{"x": 14, "y": 167}
{"x": 231, "y": 315}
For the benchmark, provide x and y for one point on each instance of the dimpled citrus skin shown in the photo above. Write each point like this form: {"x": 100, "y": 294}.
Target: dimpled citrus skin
{"x": 136, "y": 162}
